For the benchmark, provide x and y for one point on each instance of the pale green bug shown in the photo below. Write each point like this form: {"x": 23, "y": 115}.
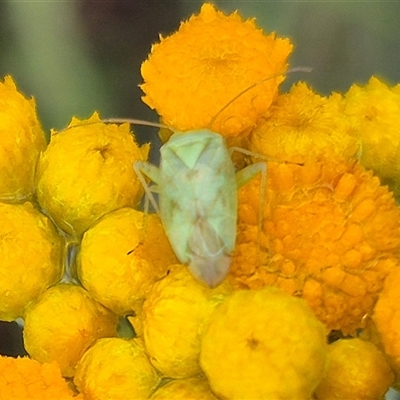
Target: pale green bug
{"x": 197, "y": 187}
{"x": 197, "y": 191}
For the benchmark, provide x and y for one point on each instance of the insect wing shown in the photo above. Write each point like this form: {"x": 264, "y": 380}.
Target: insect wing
{"x": 199, "y": 184}
{"x": 210, "y": 260}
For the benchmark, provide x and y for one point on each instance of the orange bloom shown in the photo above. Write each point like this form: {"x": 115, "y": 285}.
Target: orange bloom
{"x": 191, "y": 75}
{"x": 330, "y": 234}
{"x": 23, "y": 378}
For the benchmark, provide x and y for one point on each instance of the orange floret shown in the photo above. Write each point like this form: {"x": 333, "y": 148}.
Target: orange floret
{"x": 191, "y": 75}
{"x": 22, "y": 139}
{"x": 86, "y": 172}
{"x": 23, "y": 378}
{"x": 304, "y": 126}
{"x": 330, "y": 234}
{"x": 63, "y": 323}
{"x": 386, "y": 317}
{"x": 375, "y": 110}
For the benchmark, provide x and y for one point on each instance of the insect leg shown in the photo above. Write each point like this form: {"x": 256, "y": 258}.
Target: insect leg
{"x": 248, "y": 173}
{"x": 143, "y": 168}
{"x": 245, "y": 175}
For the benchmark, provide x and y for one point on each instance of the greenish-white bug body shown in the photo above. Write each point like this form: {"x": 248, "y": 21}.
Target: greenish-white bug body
{"x": 197, "y": 191}
{"x": 197, "y": 186}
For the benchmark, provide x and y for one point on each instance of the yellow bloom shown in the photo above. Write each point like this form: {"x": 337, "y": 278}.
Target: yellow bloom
{"x": 116, "y": 369}
{"x": 31, "y": 254}
{"x": 23, "y": 378}
{"x": 356, "y": 370}
{"x": 22, "y": 139}
{"x": 185, "y": 389}
{"x": 117, "y": 263}
{"x": 86, "y": 172}
{"x": 386, "y": 317}
{"x": 330, "y": 234}
{"x": 263, "y": 344}
{"x": 173, "y": 316}
{"x": 304, "y": 126}
{"x": 192, "y": 74}
{"x": 375, "y": 109}
{"x": 63, "y": 323}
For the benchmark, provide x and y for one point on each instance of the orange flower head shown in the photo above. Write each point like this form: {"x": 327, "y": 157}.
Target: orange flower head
{"x": 330, "y": 234}
{"x": 191, "y": 75}
{"x": 304, "y": 126}
{"x": 24, "y": 378}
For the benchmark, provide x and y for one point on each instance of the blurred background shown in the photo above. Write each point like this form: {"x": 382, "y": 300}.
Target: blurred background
{"x": 79, "y": 56}
{"x": 76, "y": 57}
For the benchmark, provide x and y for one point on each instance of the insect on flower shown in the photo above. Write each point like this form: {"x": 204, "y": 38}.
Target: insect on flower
{"x": 197, "y": 187}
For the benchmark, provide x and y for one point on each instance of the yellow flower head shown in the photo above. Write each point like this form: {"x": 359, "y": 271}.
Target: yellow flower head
{"x": 330, "y": 234}
{"x": 22, "y": 139}
{"x": 304, "y": 126}
{"x": 117, "y": 262}
{"x": 115, "y": 368}
{"x": 192, "y": 74}
{"x": 31, "y": 254}
{"x": 196, "y": 388}
{"x": 356, "y": 370}
{"x": 263, "y": 344}
{"x": 386, "y": 318}
{"x": 86, "y": 172}
{"x": 23, "y": 378}
{"x": 63, "y": 323}
{"x": 174, "y": 314}
{"x": 375, "y": 109}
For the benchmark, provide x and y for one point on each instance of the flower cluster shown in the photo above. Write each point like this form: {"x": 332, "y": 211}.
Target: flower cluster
{"x": 108, "y": 310}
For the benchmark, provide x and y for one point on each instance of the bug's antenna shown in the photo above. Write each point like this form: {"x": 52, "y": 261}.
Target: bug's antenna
{"x": 297, "y": 69}
{"x": 118, "y": 121}
{"x": 134, "y": 122}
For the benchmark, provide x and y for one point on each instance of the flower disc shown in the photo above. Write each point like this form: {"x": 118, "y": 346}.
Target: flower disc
{"x": 263, "y": 344}
{"x": 193, "y": 74}
{"x": 86, "y": 172}
{"x": 31, "y": 254}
